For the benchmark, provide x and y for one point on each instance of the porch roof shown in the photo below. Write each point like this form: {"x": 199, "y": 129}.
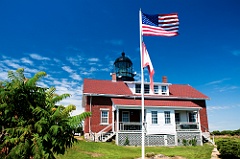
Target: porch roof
{"x": 160, "y": 103}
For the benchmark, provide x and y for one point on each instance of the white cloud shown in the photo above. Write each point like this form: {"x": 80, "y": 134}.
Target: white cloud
{"x": 56, "y": 60}
{"x": 67, "y": 69}
{"x": 30, "y": 70}
{"x": 93, "y": 59}
{"x": 75, "y": 61}
{"x": 222, "y": 107}
{"x": 38, "y": 57}
{"x": 42, "y": 84}
{"x": 26, "y": 61}
{"x": 3, "y": 75}
{"x": 92, "y": 69}
{"x": 106, "y": 69}
{"x": 227, "y": 88}
{"x": 76, "y": 77}
{"x": 218, "y": 107}
{"x": 12, "y": 64}
{"x": 217, "y": 81}
{"x": 85, "y": 73}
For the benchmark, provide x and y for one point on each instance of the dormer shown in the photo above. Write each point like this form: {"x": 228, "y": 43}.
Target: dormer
{"x": 159, "y": 88}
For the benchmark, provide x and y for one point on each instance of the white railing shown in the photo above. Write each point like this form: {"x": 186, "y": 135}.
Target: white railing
{"x": 130, "y": 126}
{"x": 187, "y": 126}
{"x": 102, "y": 132}
{"x": 207, "y": 134}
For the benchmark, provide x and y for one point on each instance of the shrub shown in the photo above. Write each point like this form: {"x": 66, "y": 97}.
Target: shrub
{"x": 126, "y": 142}
{"x": 229, "y": 148}
{"x": 150, "y": 154}
{"x": 184, "y": 142}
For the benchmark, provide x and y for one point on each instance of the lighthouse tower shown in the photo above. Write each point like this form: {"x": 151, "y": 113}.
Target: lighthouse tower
{"x": 123, "y": 68}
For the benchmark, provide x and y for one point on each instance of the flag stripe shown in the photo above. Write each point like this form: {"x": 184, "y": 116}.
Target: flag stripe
{"x": 151, "y": 30}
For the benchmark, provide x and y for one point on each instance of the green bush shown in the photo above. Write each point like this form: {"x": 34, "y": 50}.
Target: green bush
{"x": 229, "y": 148}
{"x": 191, "y": 142}
{"x": 227, "y": 132}
{"x": 126, "y": 142}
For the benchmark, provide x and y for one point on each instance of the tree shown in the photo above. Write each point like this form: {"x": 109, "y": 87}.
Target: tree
{"x": 32, "y": 124}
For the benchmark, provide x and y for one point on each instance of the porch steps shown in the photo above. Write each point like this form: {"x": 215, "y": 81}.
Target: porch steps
{"x": 207, "y": 137}
{"x": 104, "y": 137}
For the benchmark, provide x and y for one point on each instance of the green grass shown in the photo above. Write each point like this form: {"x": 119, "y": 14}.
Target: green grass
{"x": 87, "y": 150}
{"x": 220, "y": 137}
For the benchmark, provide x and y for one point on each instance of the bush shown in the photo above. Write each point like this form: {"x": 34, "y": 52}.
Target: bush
{"x": 229, "y": 148}
{"x": 126, "y": 142}
{"x": 191, "y": 142}
{"x": 227, "y": 132}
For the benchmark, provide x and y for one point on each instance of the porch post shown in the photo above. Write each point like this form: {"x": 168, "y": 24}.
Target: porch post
{"x": 113, "y": 127}
{"x": 200, "y": 127}
{"x": 198, "y": 120}
{"x": 117, "y": 127}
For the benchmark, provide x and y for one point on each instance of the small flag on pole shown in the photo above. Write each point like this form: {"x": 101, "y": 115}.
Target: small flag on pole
{"x": 160, "y": 24}
{"x": 146, "y": 62}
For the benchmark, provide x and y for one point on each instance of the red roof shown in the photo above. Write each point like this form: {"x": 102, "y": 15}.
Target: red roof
{"x": 188, "y": 91}
{"x": 108, "y": 87}
{"x": 147, "y": 102}
{"x": 105, "y": 87}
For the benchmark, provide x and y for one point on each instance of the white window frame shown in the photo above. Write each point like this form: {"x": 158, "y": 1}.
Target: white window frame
{"x": 156, "y": 89}
{"x": 146, "y": 88}
{"x": 167, "y": 117}
{"x": 105, "y": 117}
{"x": 154, "y": 115}
{"x": 137, "y": 90}
{"x": 164, "y": 90}
{"x": 128, "y": 116}
{"x": 192, "y": 118}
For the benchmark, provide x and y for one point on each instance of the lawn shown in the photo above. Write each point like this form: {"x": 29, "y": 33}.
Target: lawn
{"x": 86, "y": 150}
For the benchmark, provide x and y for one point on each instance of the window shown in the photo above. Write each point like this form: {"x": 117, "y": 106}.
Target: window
{"x": 146, "y": 88}
{"x": 154, "y": 117}
{"x": 138, "y": 88}
{"x": 167, "y": 117}
{"x": 177, "y": 118}
{"x": 192, "y": 117}
{"x": 125, "y": 116}
{"x": 155, "y": 89}
{"x": 164, "y": 90}
{"x": 104, "y": 116}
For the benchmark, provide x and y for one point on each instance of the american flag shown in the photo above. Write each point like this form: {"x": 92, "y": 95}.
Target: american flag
{"x": 160, "y": 24}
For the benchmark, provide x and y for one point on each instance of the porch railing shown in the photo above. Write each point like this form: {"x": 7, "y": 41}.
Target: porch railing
{"x": 187, "y": 126}
{"x": 130, "y": 126}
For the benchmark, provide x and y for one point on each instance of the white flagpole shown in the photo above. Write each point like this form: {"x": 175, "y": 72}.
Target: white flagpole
{"x": 142, "y": 86}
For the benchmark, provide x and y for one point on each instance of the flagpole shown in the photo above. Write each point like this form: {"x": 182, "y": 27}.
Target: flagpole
{"x": 142, "y": 85}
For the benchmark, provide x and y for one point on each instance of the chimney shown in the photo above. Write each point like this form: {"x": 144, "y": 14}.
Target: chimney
{"x": 164, "y": 79}
{"x": 114, "y": 77}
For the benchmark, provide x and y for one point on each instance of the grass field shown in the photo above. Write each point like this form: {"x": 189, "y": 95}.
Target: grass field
{"x": 220, "y": 137}
{"x": 87, "y": 150}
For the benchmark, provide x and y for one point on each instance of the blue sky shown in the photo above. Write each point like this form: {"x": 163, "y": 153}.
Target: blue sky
{"x": 76, "y": 39}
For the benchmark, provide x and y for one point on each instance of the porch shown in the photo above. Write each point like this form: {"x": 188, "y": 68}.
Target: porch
{"x": 129, "y": 120}
{"x": 137, "y": 126}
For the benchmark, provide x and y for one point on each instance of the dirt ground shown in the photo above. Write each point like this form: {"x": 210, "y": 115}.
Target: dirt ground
{"x": 160, "y": 156}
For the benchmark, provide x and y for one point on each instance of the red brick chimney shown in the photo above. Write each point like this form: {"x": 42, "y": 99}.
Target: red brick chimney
{"x": 164, "y": 79}
{"x": 114, "y": 77}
